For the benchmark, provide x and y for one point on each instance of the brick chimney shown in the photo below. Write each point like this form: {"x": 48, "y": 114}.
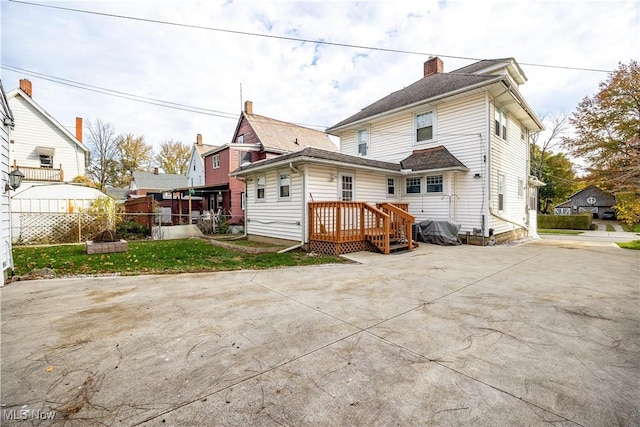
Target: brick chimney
{"x": 199, "y": 140}
{"x": 433, "y": 65}
{"x": 79, "y": 128}
{"x": 155, "y": 171}
{"x": 248, "y": 107}
{"x": 25, "y": 86}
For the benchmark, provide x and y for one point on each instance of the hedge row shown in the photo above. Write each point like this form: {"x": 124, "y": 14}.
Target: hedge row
{"x": 565, "y": 222}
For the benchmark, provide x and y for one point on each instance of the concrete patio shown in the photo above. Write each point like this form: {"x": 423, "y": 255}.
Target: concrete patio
{"x": 538, "y": 333}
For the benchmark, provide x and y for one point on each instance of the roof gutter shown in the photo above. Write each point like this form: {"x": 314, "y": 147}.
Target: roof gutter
{"x": 498, "y": 78}
{"x": 287, "y": 162}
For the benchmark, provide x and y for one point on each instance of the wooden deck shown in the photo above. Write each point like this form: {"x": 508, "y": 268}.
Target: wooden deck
{"x": 341, "y": 227}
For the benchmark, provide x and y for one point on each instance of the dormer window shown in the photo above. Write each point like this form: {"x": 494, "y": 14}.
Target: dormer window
{"x": 424, "y": 127}
{"x": 240, "y": 139}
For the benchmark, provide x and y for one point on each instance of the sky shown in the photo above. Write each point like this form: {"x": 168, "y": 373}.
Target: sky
{"x": 289, "y": 57}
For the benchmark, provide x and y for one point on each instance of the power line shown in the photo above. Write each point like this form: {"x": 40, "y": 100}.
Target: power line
{"x": 297, "y": 39}
{"x": 140, "y": 98}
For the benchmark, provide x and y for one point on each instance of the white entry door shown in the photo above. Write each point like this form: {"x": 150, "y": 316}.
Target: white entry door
{"x": 346, "y": 191}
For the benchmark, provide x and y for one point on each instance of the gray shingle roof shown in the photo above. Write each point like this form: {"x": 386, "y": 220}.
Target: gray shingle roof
{"x": 287, "y": 137}
{"x": 320, "y": 154}
{"x": 431, "y": 159}
{"x": 424, "y": 89}
{"x": 161, "y": 181}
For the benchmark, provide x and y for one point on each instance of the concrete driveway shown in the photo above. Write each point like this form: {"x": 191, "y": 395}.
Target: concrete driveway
{"x": 546, "y": 332}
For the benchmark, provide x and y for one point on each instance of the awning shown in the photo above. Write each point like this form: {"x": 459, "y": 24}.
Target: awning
{"x": 45, "y": 151}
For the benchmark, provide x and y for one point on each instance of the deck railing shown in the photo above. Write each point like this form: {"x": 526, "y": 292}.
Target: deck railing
{"x": 41, "y": 174}
{"x": 400, "y": 221}
{"x": 343, "y": 222}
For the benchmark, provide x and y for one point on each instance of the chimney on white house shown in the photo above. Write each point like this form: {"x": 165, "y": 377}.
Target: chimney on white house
{"x": 432, "y": 66}
{"x": 199, "y": 140}
{"x": 79, "y": 128}
{"x": 248, "y": 108}
{"x": 26, "y": 87}
{"x": 155, "y": 171}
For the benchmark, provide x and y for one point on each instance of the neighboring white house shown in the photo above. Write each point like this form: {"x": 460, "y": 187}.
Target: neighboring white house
{"x": 43, "y": 149}
{"x": 195, "y": 172}
{"x": 6, "y": 257}
{"x": 453, "y": 146}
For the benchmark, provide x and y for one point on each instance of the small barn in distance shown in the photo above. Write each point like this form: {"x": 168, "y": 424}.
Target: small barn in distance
{"x": 590, "y": 199}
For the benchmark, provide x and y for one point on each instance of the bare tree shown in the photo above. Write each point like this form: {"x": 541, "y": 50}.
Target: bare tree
{"x": 104, "y": 149}
{"x": 547, "y": 141}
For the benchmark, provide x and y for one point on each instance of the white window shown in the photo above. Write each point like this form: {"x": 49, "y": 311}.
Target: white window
{"x": 245, "y": 157}
{"x": 434, "y": 184}
{"x": 500, "y": 192}
{"x": 391, "y": 186}
{"x": 346, "y": 187}
{"x": 46, "y": 161}
{"x": 520, "y": 188}
{"x": 523, "y": 133}
{"x": 414, "y": 185}
{"x": 533, "y": 198}
{"x": 363, "y": 143}
{"x": 215, "y": 161}
{"x": 240, "y": 139}
{"x": 500, "y": 122}
{"x": 424, "y": 127}
{"x": 260, "y": 182}
{"x": 284, "y": 185}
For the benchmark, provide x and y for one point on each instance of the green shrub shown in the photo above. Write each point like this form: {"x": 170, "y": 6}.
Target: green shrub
{"x": 565, "y": 222}
{"x": 130, "y": 229}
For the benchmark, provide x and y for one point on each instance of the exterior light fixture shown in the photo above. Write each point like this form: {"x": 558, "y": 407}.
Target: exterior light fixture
{"x": 15, "y": 180}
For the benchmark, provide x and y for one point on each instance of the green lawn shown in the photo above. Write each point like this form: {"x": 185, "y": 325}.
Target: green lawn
{"x": 610, "y": 227}
{"x": 162, "y": 256}
{"x": 558, "y": 231}
{"x": 630, "y": 245}
{"x": 635, "y": 228}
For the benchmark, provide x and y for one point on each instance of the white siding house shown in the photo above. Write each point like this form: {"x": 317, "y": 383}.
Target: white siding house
{"x": 453, "y": 146}
{"x": 43, "y": 149}
{"x": 195, "y": 171}
{"x": 6, "y": 258}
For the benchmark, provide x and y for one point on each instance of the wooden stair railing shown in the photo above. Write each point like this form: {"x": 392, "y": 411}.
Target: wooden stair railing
{"x": 401, "y": 223}
{"x": 377, "y": 228}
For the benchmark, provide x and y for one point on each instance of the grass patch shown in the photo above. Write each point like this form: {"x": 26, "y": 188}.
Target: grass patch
{"x": 153, "y": 257}
{"x": 635, "y": 228}
{"x": 555, "y": 231}
{"x": 610, "y": 227}
{"x": 250, "y": 243}
{"x": 630, "y": 245}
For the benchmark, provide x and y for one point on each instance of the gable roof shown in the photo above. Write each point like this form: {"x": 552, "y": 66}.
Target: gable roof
{"x": 319, "y": 155}
{"x": 19, "y": 92}
{"x": 441, "y": 85}
{"x": 431, "y": 159}
{"x": 285, "y": 137}
{"x": 203, "y": 148}
{"x": 161, "y": 181}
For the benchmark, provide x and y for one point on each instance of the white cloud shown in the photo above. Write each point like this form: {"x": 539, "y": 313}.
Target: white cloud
{"x": 303, "y": 82}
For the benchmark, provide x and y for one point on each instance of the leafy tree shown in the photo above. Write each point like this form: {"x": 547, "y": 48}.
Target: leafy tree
{"x": 81, "y": 179}
{"x": 134, "y": 154}
{"x": 104, "y": 149}
{"x": 558, "y": 175}
{"x": 174, "y": 157}
{"x": 607, "y": 136}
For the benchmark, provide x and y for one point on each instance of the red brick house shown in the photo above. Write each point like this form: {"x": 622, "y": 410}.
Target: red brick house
{"x": 255, "y": 138}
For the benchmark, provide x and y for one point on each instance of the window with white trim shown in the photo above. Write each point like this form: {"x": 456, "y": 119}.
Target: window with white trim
{"x": 434, "y": 184}
{"x": 46, "y": 161}
{"x": 240, "y": 139}
{"x": 414, "y": 185}
{"x": 215, "y": 161}
{"x": 500, "y": 122}
{"x": 520, "y": 188}
{"x": 260, "y": 185}
{"x": 391, "y": 186}
{"x": 284, "y": 185}
{"x": 501, "y": 180}
{"x": 363, "y": 142}
{"x": 245, "y": 157}
{"x": 346, "y": 187}
{"x": 424, "y": 126}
